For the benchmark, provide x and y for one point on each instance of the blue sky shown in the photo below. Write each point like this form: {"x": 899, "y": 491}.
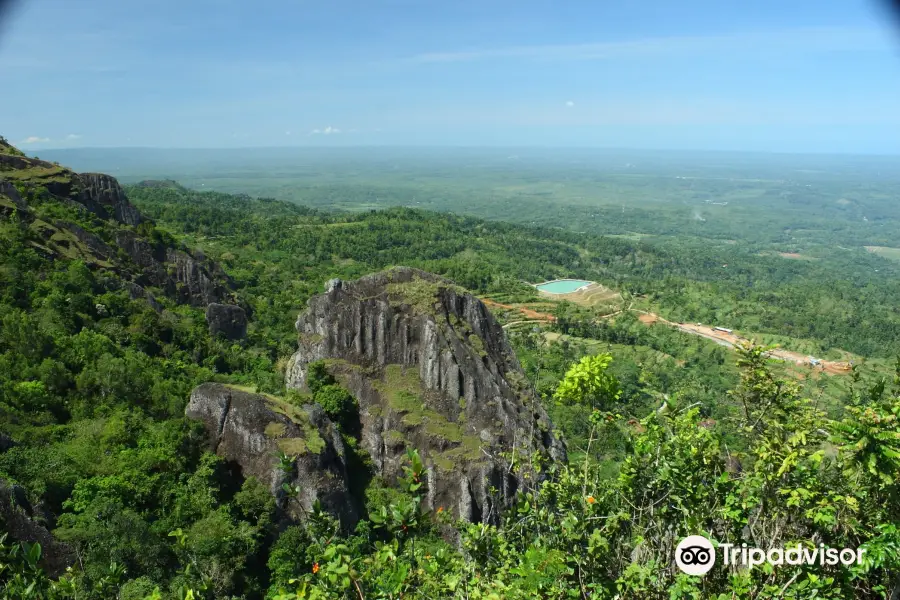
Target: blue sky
{"x": 793, "y": 76}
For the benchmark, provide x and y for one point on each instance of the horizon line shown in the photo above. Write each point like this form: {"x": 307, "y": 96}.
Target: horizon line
{"x": 466, "y": 147}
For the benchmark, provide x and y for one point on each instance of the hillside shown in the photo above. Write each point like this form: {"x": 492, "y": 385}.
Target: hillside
{"x": 214, "y": 396}
{"x": 842, "y": 300}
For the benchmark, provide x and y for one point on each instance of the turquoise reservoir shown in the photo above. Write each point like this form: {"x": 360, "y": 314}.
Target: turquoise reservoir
{"x": 563, "y": 286}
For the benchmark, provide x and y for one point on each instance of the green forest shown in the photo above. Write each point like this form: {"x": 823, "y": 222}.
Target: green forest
{"x": 668, "y": 434}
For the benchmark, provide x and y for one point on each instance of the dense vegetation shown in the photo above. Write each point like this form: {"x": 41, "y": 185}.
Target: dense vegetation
{"x": 93, "y": 386}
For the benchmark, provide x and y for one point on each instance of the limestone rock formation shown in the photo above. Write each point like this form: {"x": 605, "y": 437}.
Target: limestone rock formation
{"x": 192, "y": 279}
{"x": 16, "y": 517}
{"x": 103, "y": 195}
{"x": 227, "y": 320}
{"x": 253, "y": 430}
{"x": 183, "y": 275}
{"x": 198, "y": 279}
{"x": 432, "y": 370}
{"x": 152, "y": 270}
{"x": 100, "y": 194}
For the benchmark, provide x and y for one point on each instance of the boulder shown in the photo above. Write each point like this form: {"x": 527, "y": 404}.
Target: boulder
{"x": 253, "y": 431}
{"x": 432, "y": 370}
{"x": 227, "y": 320}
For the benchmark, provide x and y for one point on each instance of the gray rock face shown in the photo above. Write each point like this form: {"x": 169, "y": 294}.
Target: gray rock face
{"x": 152, "y": 270}
{"x": 16, "y": 518}
{"x": 251, "y": 430}
{"x": 16, "y": 203}
{"x": 98, "y": 247}
{"x": 185, "y": 276}
{"x": 196, "y": 284}
{"x": 227, "y": 320}
{"x": 136, "y": 292}
{"x": 103, "y": 195}
{"x": 432, "y": 370}
{"x": 190, "y": 279}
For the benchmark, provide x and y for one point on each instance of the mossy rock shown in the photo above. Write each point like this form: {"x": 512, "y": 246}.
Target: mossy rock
{"x": 394, "y": 437}
{"x": 275, "y": 430}
{"x": 312, "y": 441}
{"x": 443, "y": 463}
{"x": 444, "y": 430}
{"x": 295, "y": 446}
{"x": 310, "y": 338}
{"x": 421, "y": 295}
{"x": 403, "y": 391}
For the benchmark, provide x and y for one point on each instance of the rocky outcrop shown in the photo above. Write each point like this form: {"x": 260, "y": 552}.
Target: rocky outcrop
{"x": 197, "y": 279}
{"x": 190, "y": 279}
{"x": 136, "y": 292}
{"x": 150, "y": 261}
{"x": 100, "y": 194}
{"x": 432, "y": 370}
{"x": 103, "y": 195}
{"x": 11, "y": 201}
{"x": 226, "y": 320}
{"x": 17, "y": 518}
{"x": 252, "y": 431}
{"x": 94, "y": 244}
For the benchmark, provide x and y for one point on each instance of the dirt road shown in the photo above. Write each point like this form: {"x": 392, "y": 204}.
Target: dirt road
{"x": 528, "y": 313}
{"x": 730, "y": 340}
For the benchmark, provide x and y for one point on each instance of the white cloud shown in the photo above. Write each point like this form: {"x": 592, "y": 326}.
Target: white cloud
{"x": 569, "y": 103}
{"x": 804, "y": 39}
{"x": 33, "y": 139}
{"x": 73, "y": 136}
{"x": 327, "y": 131}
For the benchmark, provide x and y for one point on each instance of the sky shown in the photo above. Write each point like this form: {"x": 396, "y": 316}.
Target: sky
{"x": 768, "y": 75}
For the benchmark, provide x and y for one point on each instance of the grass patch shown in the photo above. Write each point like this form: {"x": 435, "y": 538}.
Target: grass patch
{"x": 469, "y": 450}
{"x": 885, "y": 252}
{"x": 294, "y": 446}
{"x": 402, "y": 389}
{"x": 419, "y": 294}
{"x": 311, "y": 440}
{"x": 39, "y": 174}
{"x": 43, "y": 228}
{"x": 275, "y": 430}
{"x": 394, "y": 437}
{"x": 446, "y": 430}
{"x": 442, "y": 463}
